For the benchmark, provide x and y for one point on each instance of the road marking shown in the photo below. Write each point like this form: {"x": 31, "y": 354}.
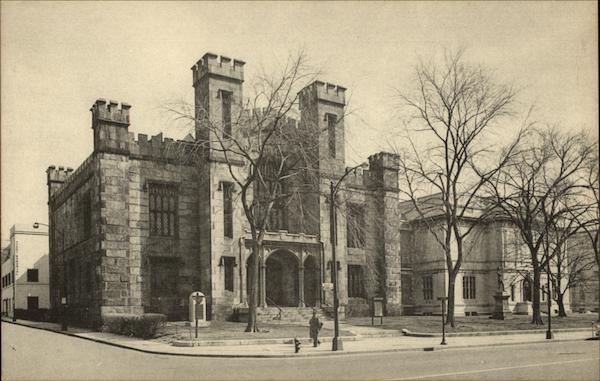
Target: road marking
{"x": 494, "y": 369}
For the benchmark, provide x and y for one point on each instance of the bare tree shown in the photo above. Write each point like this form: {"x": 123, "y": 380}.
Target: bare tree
{"x": 530, "y": 190}
{"x": 569, "y": 261}
{"x": 590, "y": 221}
{"x": 269, "y": 157}
{"x": 455, "y": 106}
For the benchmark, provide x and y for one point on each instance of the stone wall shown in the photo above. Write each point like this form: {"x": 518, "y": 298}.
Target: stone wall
{"x": 74, "y": 256}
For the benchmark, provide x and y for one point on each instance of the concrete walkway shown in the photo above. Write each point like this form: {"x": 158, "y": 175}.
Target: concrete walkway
{"x": 365, "y": 344}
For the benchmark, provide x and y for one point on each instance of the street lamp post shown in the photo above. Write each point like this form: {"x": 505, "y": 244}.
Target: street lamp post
{"x": 14, "y": 283}
{"x": 336, "y": 302}
{"x": 337, "y": 341}
{"x": 36, "y": 225}
{"x": 443, "y": 299}
{"x": 549, "y": 334}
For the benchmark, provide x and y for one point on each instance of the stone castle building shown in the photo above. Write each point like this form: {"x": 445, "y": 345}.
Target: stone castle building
{"x": 136, "y": 229}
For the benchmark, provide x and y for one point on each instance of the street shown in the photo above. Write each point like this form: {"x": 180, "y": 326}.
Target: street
{"x": 35, "y": 354}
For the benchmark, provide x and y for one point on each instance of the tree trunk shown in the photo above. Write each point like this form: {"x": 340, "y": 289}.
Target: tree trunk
{"x": 561, "y": 305}
{"x": 450, "y": 314}
{"x": 598, "y": 294}
{"x": 253, "y": 291}
{"x": 537, "y": 312}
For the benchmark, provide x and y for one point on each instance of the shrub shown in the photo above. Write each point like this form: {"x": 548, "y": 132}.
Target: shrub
{"x": 149, "y": 325}
{"x": 145, "y": 326}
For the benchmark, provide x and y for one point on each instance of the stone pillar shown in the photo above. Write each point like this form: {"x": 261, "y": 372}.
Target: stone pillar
{"x": 301, "y": 286}
{"x": 262, "y": 285}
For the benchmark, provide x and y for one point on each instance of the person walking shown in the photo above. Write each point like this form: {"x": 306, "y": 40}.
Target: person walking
{"x": 315, "y": 327}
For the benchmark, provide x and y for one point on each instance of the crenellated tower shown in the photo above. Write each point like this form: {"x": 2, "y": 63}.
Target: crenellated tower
{"x": 322, "y": 110}
{"x": 111, "y": 126}
{"x": 217, "y": 82}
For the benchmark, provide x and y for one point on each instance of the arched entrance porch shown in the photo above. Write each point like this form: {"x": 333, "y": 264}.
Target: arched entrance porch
{"x": 282, "y": 279}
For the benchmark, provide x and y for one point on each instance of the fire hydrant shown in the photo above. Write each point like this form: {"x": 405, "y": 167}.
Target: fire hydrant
{"x": 296, "y": 345}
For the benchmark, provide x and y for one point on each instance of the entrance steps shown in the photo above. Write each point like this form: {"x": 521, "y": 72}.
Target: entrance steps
{"x": 284, "y": 315}
{"x": 288, "y": 315}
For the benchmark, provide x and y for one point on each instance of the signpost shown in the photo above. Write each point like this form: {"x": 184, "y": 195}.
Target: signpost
{"x": 377, "y": 310}
{"x": 443, "y": 300}
{"x": 197, "y": 305}
{"x": 63, "y": 302}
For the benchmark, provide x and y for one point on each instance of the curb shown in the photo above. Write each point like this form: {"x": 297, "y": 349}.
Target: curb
{"x": 212, "y": 343}
{"x": 290, "y": 355}
{"x": 406, "y": 332}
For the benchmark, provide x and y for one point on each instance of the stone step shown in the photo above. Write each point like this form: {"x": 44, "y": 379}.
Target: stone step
{"x": 288, "y": 314}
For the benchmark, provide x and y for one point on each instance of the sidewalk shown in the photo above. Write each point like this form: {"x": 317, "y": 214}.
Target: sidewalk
{"x": 363, "y": 345}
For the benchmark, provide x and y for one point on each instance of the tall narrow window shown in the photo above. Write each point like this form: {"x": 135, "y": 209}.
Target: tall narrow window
{"x": 163, "y": 209}
{"x": 331, "y": 124}
{"x": 228, "y": 265}
{"x": 87, "y": 215}
{"x": 544, "y": 291}
{"x": 355, "y": 226}
{"x": 227, "y": 209}
{"x": 226, "y": 109}
{"x": 427, "y": 287}
{"x": 468, "y": 287}
{"x": 355, "y": 281}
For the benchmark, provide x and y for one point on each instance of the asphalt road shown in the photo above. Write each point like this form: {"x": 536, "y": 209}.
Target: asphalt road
{"x": 34, "y": 354}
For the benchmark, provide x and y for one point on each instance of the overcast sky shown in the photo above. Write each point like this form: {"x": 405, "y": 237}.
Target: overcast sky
{"x": 58, "y": 58}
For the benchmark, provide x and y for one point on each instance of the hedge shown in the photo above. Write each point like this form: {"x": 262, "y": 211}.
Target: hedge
{"x": 145, "y": 326}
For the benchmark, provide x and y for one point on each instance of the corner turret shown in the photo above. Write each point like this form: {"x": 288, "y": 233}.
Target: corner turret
{"x": 55, "y": 178}
{"x": 111, "y": 126}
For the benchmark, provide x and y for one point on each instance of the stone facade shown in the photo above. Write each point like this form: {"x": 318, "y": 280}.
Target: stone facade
{"x": 108, "y": 256}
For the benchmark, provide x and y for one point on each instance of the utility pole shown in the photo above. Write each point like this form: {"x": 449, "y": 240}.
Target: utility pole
{"x": 336, "y": 301}
{"x": 337, "y": 341}
{"x": 14, "y": 281}
{"x": 549, "y": 334}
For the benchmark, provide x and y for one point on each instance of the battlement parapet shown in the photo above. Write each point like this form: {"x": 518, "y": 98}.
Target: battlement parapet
{"x": 57, "y": 175}
{"x": 60, "y": 179}
{"x": 159, "y": 148}
{"x": 385, "y": 160}
{"x": 110, "y": 112}
{"x": 360, "y": 178}
{"x": 327, "y": 92}
{"x": 220, "y": 66}
{"x": 258, "y": 114}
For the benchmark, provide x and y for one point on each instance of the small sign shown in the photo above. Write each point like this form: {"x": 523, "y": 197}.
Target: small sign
{"x": 63, "y": 300}
{"x": 328, "y": 286}
{"x": 199, "y": 312}
{"x": 377, "y": 307}
{"x": 377, "y": 310}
